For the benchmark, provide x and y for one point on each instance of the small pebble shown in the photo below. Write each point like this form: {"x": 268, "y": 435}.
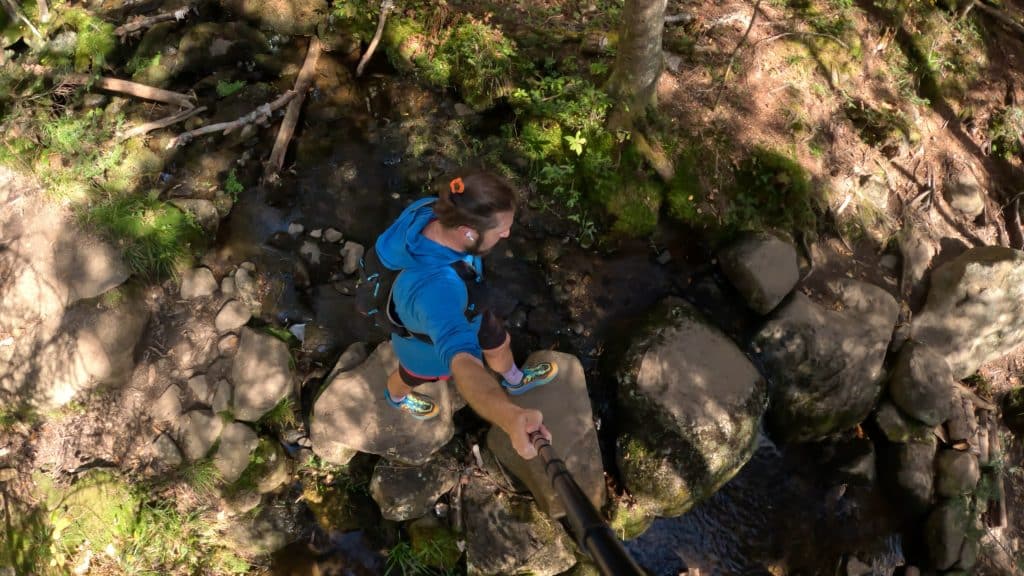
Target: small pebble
{"x": 295, "y": 228}
{"x": 664, "y": 258}
{"x": 333, "y": 235}
{"x": 316, "y": 233}
{"x": 249, "y": 266}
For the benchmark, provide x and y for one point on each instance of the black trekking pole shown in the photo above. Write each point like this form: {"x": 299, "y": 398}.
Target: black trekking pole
{"x": 588, "y": 526}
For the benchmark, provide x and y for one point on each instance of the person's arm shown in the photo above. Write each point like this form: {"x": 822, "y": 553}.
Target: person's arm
{"x": 483, "y": 393}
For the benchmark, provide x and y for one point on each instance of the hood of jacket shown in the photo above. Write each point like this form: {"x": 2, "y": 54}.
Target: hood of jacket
{"x": 403, "y": 246}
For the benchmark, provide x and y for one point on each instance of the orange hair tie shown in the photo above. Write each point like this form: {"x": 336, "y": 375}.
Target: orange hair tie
{"x": 456, "y": 186}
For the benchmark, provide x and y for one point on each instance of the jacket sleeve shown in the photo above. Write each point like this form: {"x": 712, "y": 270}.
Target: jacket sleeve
{"x": 440, "y": 307}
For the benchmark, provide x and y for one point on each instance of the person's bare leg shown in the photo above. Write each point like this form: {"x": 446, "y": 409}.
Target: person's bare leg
{"x": 397, "y": 388}
{"x": 500, "y": 359}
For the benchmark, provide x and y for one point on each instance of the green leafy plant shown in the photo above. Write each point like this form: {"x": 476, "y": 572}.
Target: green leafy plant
{"x": 1006, "y": 128}
{"x": 772, "y": 190}
{"x": 576, "y": 143}
{"x": 225, "y": 88}
{"x": 232, "y": 186}
{"x": 281, "y": 416}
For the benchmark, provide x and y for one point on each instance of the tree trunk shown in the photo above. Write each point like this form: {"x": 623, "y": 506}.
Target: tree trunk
{"x": 639, "y": 61}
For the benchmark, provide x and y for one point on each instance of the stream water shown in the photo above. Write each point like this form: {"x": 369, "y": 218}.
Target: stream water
{"x": 781, "y": 514}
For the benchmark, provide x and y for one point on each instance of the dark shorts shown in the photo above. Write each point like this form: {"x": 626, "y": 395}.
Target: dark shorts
{"x": 492, "y": 334}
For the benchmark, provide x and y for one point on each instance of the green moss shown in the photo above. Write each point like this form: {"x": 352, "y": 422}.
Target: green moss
{"x": 480, "y": 59}
{"x": 542, "y": 140}
{"x": 403, "y": 41}
{"x": 686, "y": 193}
{"x": 133, "y": 165}
{"x": 96, "y": 39}
{"x": 1006, "y": 128}
{"x": 635, "y": 208}
{"x": 772, "y": 191}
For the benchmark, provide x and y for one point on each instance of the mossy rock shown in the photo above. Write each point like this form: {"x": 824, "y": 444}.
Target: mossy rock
{"x": 150, "y": 64}
{"x": 635, "y": 208}
{"x": 773, "y": 191}
{"x": 138, "y": 164}
{"x": 480, "y": 57}
{"x": 286, "y": 17}
{"x": 691, "y": 404}
{"x": 99, "y": 508}
{"x": 403, "y": 41}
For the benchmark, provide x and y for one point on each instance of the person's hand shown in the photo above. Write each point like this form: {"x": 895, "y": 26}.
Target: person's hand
{"x": 525, "y": 423}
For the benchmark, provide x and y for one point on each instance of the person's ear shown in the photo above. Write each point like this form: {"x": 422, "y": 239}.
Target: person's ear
{"x": 469, "y": 233}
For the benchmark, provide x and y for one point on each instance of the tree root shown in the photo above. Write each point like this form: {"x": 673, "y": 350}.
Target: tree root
{"x": 131, "y": 88}
{"x": 291, "y": 116}
{"x": 259, "y": 115}
{"x": 655, "y": 155}
{"x": 161, "y": 123}
{"x": 385, "y": 7}
{"x": 732, "y": 57}
{"x": 1001, "y": 16}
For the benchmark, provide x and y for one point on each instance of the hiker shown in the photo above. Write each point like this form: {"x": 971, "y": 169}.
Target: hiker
{"x": 439, "y": 330}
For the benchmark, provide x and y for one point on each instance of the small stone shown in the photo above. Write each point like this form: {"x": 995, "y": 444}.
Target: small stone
{"x": 577, "y": 328}
{"x": 228, "y": 345}
{"x": 352, "y": 253}
{"x": 236, "y": 444}
{"x": 199, "y": 431}
{"x": 311, "y": 252}
{"x": 167, "y": 451}
{"x": 222, "y": 396}
{"x": 890, "y": 263}
{"x": 248, "y": 266}
{"x": 277, "y": 475}
{"x": 204, "y": 212}
{"x": 242, "y": 502}
{"x": 8, "y": 474}
{"x": 228, "y": 287}
{"x": 299, "y": 331}
{"x": 664, "y": 258}
{"x": 295, "y": 228}
{"x": 200, "y": 388}
{"x": 245, "y": 283}
{"x": 197, "y": 283}
{"x": 317, "y": 233}
{"x": 232, "y": 316}
{"x": 333, "y": 235}
{"x": 462, "y": 110}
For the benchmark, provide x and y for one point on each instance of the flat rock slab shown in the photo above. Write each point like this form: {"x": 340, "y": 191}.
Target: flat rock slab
{"x": 352, "y": 415}
{"x": 261, "y": 374}
{"x": 199, "y": 430}
{"x": 406, "y": 492}
{"x": 565, "y": 404}
{"x": 197, "y": 283}
{"x": 232, "y": 316}
{"x": 237, "y": 442}
{"x": 763, "y": 268}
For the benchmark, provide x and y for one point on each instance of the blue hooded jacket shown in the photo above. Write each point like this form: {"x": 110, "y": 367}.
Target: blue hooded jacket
{"x": 430, "y": 297}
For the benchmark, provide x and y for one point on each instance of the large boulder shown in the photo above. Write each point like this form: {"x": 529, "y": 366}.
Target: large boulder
{"x": 897, "y": 427}
{"x": 825, "y": 364}
{"x": 922, "y": 385}
{"x": 567, "y": 414}
{"x": 406, "y": 492}
{"x": 351, "y": 415}
{"x": 957, "y": 473}
{"x": 509, "y": 535}
{"x": 763, "y": 268}
{"x": 691, "y": 403}
{"x": 975, "y": 308}
{"x": 261, "y": 374}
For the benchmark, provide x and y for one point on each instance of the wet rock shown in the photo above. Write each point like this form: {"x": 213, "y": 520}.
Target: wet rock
{"x": 968, "y": 554}
{"x": 914, "y": 468}
{"x": 227, "y": 345}
{"x": 210, "y": 45}
{"x": 203, "y": 211}
{"x": 333, "y": 235}
{"x": 221, "y": 397}
{"x": 957, "y": 473}
{"x": 261, "y": 374}
{"x": 237, "y": 442}
{"x": 406, "y": 492}
{"x": 566, "y": 397}
{"x": 352, "y": 415}
{"x": 965, "y": 194}
{"x": 167, "y": 407}
{"x": 227, "y": 286}
{"x": 352, "y": 253}
{"x": 945, "y": 532}
{"x": 763, "y": 268}
{"x": 544, "y": 321}
{"x": 319, "y": 342}
{"x": 693, "y": 403}
{"x": 921, "y": 384}
{"x": 825, "y": 365}
{"x": 975, "y": 308}
{"x": 197, "y": 283}
{"x": 506, "y": 535}
{"x": 199, "y": 386}
{"x": 294, "y": 229}
{"x": 310, "y": 251}
{"x": 199, "y": 429}
{"x": 265, "y": 534}
{"x": 897, "y": 427}
{"x": 241, "y": 503}
{"x": 232, "y": 316}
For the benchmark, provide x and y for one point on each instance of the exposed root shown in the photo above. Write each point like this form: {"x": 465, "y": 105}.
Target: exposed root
{"x": 161, "y": 123}
{"x": 291, "y": 116}
{"x": 139, "y": 23}
{"x": 385, "y": 7}
{"x": 257, "y": 116}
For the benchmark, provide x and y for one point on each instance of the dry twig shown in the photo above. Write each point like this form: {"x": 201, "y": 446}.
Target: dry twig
{"x": 732, "y": 57}
{"x": 161, "y": 123}
{"x": 291, "y": 116}
{"x": 142, "y": 22}
{"x": 385, "y": 7}
{"x": 259, "y": 115}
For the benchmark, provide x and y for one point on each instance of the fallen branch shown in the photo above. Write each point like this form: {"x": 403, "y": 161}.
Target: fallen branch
{"x": 732, "y": 57}
{"x": 259, "y": 115}
{"x": 291, "y": 116}
{"x": 161, "y": 123}
{"x": 1001, "y": 16}
{"x": 385, "y": 7}
{"x": 142, "y": 22}
{"x": 679, "y": 19}
{"x": 131, "y": 88}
